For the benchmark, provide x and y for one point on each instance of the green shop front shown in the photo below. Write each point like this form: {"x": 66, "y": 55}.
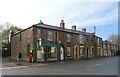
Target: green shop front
{"x": 46, "y": 52}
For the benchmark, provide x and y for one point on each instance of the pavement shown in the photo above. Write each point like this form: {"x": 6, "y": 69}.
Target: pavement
{"x": 6, "y": 64}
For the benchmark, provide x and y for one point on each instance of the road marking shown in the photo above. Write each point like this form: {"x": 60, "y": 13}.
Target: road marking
{"x": 109, "y": 62}
{"x": 17, "y": 67}
{"x": 98, "y": 64}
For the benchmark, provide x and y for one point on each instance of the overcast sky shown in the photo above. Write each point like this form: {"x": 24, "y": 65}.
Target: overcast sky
{"x": 83, "y": 13}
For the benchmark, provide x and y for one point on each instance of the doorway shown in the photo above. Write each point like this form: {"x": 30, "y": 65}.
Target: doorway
{"x": 61, "y": 53}
{"x": 87, "y": 53}
{"x": 76, "y": 52}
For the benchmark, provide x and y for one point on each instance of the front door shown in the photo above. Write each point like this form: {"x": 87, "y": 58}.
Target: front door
{"x": 87, "y": 53}
{"x": 76, "y": 53}
{"x": 61, "y": 53}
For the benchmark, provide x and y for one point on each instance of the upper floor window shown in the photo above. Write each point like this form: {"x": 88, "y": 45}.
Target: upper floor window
{"x": 81, "y": 38}
{"x": 87, "y": 39}
{"x": 91, "y": 39}
{"x": 50, "y": 35}
{"x": 112, "y": 46}
{"x": 68, "y": 38}
{"x": 38, "y": 32}
{"x": 98, "y": 41}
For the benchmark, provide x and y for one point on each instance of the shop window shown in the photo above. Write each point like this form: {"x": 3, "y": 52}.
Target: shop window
{"x": 50, "y": 35}
{"x": 68, "y": 38}
{"x": 53, "y": 52}
{"x": 40, "y": 53}
{"x": 68, "y": 51}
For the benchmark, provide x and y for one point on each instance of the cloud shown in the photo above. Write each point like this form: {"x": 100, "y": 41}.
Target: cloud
{"x": 24, "y": 13}
{"x": 99, "y": 21}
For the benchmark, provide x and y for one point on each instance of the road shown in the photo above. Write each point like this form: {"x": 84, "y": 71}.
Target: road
{"x": 101, "y": 66}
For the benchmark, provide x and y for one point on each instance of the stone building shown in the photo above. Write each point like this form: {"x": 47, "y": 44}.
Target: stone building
{"x": 109, "y": 49}
{"x": 51, "y": 43}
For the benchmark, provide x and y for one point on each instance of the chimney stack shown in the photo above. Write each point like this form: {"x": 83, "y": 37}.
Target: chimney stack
{"x": 73, "y": 27}
{"x": 84, "y": 30}
{"x": 62, "y": 24}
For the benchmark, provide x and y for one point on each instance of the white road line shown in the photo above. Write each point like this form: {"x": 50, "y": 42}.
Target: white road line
{"x": 7, "y": 68}
{"x": 98, "y": 64}
{"x": 109, "y": 62}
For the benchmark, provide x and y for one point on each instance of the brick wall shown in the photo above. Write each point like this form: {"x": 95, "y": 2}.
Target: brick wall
{"x": 17, "y": 45}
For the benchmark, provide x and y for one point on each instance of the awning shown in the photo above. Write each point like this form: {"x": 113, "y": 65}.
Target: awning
{"x": 50, "y": 44}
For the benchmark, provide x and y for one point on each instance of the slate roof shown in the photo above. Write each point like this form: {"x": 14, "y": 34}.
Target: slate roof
{"x": 108, "y": 42}
{"x": 62, "y": 29}
{"x": 59, "y": 29}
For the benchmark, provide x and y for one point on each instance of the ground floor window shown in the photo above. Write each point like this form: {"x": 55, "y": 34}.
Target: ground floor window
{"x": 40, "y": 53}
{"x": 51, "y": 53}
{"x": 92, "y": 50}
{"x": 105, "y": 52}
{"x": 98, "y": 51}
{"x": 81, "y": 51}
{"x": 47, "y": 53}
{"x": 68, "y": 51}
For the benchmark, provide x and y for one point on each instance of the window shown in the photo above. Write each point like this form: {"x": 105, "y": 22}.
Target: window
{"x": 57, "y": 36}
{"x": 68, "y": 51}
{"x": 91, "y": 39}
{"x": 81, "y": 51}
{"x": 98, "y": 50}
{"x": 87, "y": 39}
{"x": 112, "y": 47}
{"x": 40, "y": 53}
{"x": 98, "y": 41}
{"x": 68, "y": 38}
{"x": 39, "y": 33}
{"x": 51, "y": 53}
{"x": 108, "y": 46}
{"x": 104, "y": 46}
{"x": 50, "y": 36}
{"x": 82, "y": 38}
{"x": 39, "y": 37}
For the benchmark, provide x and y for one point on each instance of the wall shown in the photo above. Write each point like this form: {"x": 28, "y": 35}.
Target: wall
{"x": 17, "y": 45}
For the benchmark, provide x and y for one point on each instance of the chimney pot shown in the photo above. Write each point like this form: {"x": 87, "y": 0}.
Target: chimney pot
{"x": 84, "y": 30}
{"x": 62, "y": 24}
{"x": 73, "y": 27}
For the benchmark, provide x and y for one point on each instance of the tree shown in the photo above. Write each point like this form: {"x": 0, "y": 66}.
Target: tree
{"x": 113, "y": 38}
{"x": 5, "y": 33}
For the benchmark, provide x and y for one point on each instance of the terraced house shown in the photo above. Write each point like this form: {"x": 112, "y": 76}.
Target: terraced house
{"x": 49, "y": 43}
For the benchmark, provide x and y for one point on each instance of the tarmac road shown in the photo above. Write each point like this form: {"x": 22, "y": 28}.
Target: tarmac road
{"x": 101, "y": 66}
